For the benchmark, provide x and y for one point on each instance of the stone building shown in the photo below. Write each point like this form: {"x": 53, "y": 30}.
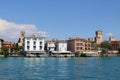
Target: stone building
{"x": 98, "y": 38}
{"x": 21, "y": 39}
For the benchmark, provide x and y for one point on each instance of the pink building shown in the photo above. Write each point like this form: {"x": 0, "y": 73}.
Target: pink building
{"x": 77, "y": 44}
{"x": 9, "y": 45}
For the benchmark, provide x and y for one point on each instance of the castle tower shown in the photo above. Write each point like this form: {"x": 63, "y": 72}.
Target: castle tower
{"x": 21, "y": 39}
{"x": 98, "y": 38}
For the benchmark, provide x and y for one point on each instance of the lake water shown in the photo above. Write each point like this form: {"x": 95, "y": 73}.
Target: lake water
{"x": 90, "y": 68}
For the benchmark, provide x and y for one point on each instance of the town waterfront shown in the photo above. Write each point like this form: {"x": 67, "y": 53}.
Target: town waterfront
{"x": 89, "y": 68}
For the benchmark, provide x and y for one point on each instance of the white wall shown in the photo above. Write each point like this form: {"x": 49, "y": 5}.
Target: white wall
{"x": 51, "y": 46}
{"x": 31, "y": 44}
{"x": 61, "y": 46}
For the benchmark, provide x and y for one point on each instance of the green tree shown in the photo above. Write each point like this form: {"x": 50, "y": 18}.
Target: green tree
{"x": 17, "y": 49}
{"x": 119, "y": 50}
{"x": 105, "y": 47}
{"x": 4, "y": 50}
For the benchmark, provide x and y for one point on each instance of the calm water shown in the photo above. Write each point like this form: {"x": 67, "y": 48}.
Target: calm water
{"x": 91, "y": 68}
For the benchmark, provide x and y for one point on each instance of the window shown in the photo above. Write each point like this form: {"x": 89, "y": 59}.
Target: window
{"x": 28, "y": 47}
{"x": 34, "y": 43}
{"x": 40, "y": 47}
{"x": 34, "y": 47}
{"x": 28, "y": 42}
{"x": 81, "y": 44}
{"x": 40, "y": 43}
{"x": 77, "y": 48}
{"x": 81, "y": 48}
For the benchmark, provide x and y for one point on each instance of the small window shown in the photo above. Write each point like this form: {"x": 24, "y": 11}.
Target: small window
{"x": 28, "y": 47}
{"x": 34, "y": 43}
{"x": 40, "y": 47}
{"x": 34, "y": 47}
{"x": 77, "y": 48}
{"x": 40, "y": 43}
{"x": 28, "y": 42}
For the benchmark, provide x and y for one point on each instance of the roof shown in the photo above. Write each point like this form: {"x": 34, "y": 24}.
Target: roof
{"x": 118, "y": 41}
{"x": 77, "y": 38}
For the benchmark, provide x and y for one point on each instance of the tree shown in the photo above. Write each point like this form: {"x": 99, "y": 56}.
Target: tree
{"x": 105, "y": 47}
{"x": 4, "y": 50}
{"x": 77, "y": 54}
{"x": 119, "y": 50}
{"x": 17, "y": 50}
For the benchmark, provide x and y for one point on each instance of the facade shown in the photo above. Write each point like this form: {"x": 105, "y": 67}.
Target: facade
{"x": 21, "y": 39}
{"x": 50, "y": 46}
{"x": 58, "y": 48}
{"x": 9, "y": 45}
{"x": 34, "y": 46}
{"x": 111, "y": 38}
{"x": 61, "y": 46}
{"x": 1, "y": 43}
{"x": 76, "y": 44}
{"x": 98, "y": 38}
{"x": 115, "y": 45}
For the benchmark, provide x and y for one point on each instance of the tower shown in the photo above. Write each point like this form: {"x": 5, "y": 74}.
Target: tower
{"x": 21, "y": 39}
{"x": 98, "y": 38}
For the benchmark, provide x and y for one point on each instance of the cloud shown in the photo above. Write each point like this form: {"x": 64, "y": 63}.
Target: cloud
{"x": 10, "y": 31}
{"x": 109, "y": 34}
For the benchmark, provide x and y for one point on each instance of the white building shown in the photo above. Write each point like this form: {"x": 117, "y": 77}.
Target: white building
{"x": 61, "y": 50}
{"x": 50, "y": 46}
{"x": 61, "y": 46}
{"x": 34, "y": 46}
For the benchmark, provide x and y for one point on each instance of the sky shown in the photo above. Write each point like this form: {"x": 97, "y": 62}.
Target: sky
{"x": 59, "y": 19}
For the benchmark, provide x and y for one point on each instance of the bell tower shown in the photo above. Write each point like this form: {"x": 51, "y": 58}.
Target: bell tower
{"x": 98, "y": 38}
{"x": 21, "y": 39}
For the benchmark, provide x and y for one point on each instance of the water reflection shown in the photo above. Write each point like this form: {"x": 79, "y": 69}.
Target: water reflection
{"x": 60, "y": 68}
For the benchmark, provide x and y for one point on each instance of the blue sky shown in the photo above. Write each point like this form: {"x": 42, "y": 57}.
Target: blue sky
{"x": 65, "y": 18}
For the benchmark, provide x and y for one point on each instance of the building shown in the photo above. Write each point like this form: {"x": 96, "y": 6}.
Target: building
{"x": 58, "y": 48}
{"x": 50, "y": 45}
{"x": 111, "y": 38}
{"x": 61, "y": 45}
{"x": 76, "y": 44}
{"x": 34, "y": 46}
{"x": 61, "y": 50}
{"x": 98, "y": 38}
{"x": 9, "y": 45}
{"x": 21, "y": 39}
{"x": 1, "y": 43}
{"x": 115, "y": 45}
